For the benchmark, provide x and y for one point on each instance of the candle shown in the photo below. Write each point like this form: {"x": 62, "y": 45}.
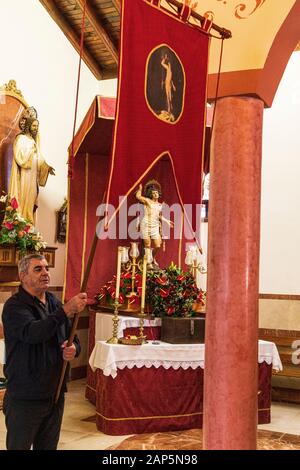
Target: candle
{"x": 134, "y": 251}
{"x": 189, "y": 258}
{"x": 119, "y": 259}
{"x": 144, "y": 275}
{"x": 125, "y": 256}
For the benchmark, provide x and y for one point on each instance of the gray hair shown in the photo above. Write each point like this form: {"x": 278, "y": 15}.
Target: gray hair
{"x": 25, "y": 262}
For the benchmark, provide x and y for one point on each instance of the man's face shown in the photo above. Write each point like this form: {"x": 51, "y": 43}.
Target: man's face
{"x": 37, "y": 279}
{"x": 34, "y": 128}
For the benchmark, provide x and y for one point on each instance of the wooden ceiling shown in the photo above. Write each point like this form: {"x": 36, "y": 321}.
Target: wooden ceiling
{"x": 102, "y": 31}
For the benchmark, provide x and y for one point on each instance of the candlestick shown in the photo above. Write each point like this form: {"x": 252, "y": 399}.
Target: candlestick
{"x": 144, "y": 275}
{"x": 119, "y": 259}
{"x": 114, "y": 338}
{"x": 142, "y": 315}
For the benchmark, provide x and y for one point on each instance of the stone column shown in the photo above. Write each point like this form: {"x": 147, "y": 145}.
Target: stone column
{"x": 231, "y": 337}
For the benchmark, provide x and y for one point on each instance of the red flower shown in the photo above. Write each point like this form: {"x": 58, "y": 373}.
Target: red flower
{"x": 200, "y": 298}
{"x": 14, "y": 203}
{"x": 180, "y": 278}
{"x": 162, "y": 281}
{"x": 8, "y": 225}
{"x": 112, "y": 291}
{"x": 170, "y": 311}
{"x": 126, "y": 275}
{"x": 164, "y": 293}
{"x": 138, "y": 280}
{"x": 134, "y": 300}
{"x": 121, "y": 298}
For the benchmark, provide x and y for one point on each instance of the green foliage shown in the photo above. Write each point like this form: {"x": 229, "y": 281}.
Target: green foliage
{"x": 17, "y": 231}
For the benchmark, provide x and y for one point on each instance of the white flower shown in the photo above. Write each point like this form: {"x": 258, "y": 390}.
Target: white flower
{"x": 12, "y": 234}
{"x": 3, "y": 198}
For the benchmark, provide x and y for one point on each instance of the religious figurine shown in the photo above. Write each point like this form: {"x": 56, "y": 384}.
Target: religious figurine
{"x": 61, "y": 230}
{"x": 152, "y": 219}
{"x": 168, "y": 84}
{"x": 29, "y": 169}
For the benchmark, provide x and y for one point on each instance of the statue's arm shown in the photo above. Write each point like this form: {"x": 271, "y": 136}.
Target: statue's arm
{"x": 44, "y": 170}
{"x": 23, "y": 154}
{"x": 142, "y": 199}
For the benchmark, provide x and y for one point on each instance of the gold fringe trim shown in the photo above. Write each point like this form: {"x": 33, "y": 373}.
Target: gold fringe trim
{"x": 148, "y": 417}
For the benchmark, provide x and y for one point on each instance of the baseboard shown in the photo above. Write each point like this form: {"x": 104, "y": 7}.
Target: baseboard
{"x": 285, "y": 395}
{"x": 78, "y": 372}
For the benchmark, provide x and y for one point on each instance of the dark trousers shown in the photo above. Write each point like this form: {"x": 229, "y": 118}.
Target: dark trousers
{"x": 33, "y": 423}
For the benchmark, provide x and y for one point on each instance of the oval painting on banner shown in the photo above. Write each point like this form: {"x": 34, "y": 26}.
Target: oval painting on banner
{"x": 165, "y": 84}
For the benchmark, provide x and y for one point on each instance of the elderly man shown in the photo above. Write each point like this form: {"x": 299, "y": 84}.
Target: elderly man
{"x": 36, "y": 328}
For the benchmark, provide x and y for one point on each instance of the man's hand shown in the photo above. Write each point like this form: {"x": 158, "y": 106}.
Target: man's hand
{"x": 76, "y": 304}
{"x": 69, "y": 352}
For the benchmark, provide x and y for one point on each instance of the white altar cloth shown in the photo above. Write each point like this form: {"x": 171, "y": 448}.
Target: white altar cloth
{"x": 110, "y": 357}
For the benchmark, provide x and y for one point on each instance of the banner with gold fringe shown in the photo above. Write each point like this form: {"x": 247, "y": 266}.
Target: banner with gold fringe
{"x": 161, "y": 101}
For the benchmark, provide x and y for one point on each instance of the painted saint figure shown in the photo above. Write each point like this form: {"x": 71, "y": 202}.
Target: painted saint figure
{"x": 152, "y": 219}
{"x": 168, "y": 82}
{"x": 29, "y": 169}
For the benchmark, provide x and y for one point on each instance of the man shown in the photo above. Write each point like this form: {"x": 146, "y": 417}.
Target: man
{"x": 36, "y": 328}
{"x": 29, "y": 169}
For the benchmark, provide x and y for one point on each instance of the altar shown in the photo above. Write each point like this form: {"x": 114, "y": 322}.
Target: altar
{"x": 100, "y": 329}
{"x": 159, "y": 387}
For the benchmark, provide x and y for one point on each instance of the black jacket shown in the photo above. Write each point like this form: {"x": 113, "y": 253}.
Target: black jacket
{"x": 33, "y": 346}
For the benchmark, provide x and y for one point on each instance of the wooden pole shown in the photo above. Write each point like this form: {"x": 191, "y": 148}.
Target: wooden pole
{"x": 225, "y": 33}
{"x": 76, "y": 317}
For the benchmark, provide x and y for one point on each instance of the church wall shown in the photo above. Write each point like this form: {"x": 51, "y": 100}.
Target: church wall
{"x": 280, "y": 207}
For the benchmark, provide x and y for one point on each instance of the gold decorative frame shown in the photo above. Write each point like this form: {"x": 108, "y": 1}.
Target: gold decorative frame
{"x": 10, "y": 89}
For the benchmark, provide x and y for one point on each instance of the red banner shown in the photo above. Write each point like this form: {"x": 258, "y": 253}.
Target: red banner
{"x": 161, "y": 101}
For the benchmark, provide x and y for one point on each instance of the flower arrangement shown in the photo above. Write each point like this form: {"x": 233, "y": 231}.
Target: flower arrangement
{"x": 172, "y": 292}
{"x": 107, "y": 293}
{"x": 169, "y": 292}
{"x": 17, "y": 231}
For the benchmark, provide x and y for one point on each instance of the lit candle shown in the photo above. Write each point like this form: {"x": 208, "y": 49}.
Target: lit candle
{"x": 120, "y": 252}
{"x": 144, "y": 275}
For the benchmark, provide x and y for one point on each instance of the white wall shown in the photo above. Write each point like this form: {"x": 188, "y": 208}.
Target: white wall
{"x": 36, "y": 54}
{"x": 280, "y": 208}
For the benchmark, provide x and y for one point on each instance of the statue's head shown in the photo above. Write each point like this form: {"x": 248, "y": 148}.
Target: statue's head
{"x": 152, "y": 189}
{"x": 31, "y": 127}
{"x": 28, "y": 113}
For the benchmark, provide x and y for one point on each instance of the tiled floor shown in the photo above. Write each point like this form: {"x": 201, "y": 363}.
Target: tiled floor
{"x": 80, "y": 433}
{"x": 76, "y": 433}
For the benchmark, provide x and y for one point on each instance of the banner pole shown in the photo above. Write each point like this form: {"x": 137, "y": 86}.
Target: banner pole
{"x": 225, "y": 33}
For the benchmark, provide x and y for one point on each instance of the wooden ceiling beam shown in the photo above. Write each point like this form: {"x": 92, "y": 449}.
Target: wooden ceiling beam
{"x": 117, "y": 5}
{"x": 99, "y": 30}
{"x": 72, "y": 36}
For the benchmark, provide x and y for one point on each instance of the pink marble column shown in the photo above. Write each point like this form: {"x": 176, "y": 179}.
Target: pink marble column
{"x": 231, "y": 337}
